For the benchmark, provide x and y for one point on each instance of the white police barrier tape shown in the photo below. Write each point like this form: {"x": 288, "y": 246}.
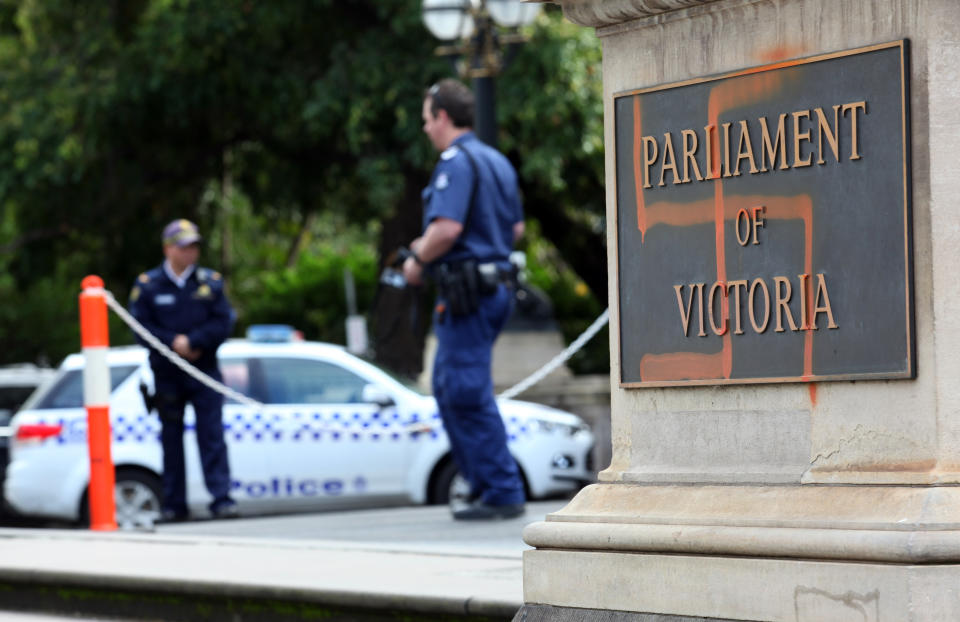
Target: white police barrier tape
{"x": 559, "y": 359}
{"x": 411, "y": 428}
{"x": 418, "y": 426}
{"x": 175, "y": 358}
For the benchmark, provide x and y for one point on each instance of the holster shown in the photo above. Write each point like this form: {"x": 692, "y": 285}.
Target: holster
{"x": 462, "y": 284}
{"x": 488, "y": 278}
{"x": 149, "y": 399}
{"x": 459, "y": 286}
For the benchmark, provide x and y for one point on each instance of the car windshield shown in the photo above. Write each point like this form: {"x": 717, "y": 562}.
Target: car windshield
{"x": 67, "y": 392}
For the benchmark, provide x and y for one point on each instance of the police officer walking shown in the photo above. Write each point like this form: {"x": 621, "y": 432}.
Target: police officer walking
{"x": 472, "y": 217}
{"x": 184, "y": 306}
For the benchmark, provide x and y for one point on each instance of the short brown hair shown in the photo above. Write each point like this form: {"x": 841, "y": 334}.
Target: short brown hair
{"x": 454, "y": 97}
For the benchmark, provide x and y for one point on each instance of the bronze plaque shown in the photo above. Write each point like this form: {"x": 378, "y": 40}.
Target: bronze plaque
{"x": 763, "y": 224}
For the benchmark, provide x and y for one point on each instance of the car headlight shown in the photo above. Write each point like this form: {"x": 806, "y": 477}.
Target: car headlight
{"x": 551, "y": 427}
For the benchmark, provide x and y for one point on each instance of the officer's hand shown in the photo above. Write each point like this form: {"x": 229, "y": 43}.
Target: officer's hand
{"x": 193, "y": 355}
{"x": 181, "y": 345}
{"x": 412, "y": 271}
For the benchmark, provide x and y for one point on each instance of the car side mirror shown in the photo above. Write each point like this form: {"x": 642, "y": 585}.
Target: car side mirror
{"x": 373, "y": 394}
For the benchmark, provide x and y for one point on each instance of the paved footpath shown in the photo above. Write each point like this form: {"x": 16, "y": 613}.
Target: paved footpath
{"x": 368, "y": 565}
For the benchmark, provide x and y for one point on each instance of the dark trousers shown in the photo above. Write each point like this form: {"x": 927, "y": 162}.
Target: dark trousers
{"x": 463, "y": 387}
{"x": 172, "y": 397}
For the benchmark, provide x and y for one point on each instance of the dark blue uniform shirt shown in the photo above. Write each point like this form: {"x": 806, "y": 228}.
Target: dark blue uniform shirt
{"x": 199, "y": 310}
{"x": 488, "y": 235}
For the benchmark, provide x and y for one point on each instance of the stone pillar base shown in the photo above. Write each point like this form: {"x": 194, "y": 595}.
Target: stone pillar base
{"x": 547, "y": 613}
{"x": 765, "y": 553}
{"x": 671, "y": 588}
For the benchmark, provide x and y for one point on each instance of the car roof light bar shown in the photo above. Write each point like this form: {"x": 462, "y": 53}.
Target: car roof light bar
{"x": 272, "y": 333}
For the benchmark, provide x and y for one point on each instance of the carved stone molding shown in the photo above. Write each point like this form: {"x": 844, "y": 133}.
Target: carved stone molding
{"x": 888, "y": 524}
{"x": 597, "y": 13}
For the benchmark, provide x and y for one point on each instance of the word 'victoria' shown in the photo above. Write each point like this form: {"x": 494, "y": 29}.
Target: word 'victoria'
{"x": 756, "y": 296}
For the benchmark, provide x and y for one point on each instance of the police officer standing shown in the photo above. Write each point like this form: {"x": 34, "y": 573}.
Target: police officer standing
{"x": 184, "y": 306}
{"x": 472, "y": 217}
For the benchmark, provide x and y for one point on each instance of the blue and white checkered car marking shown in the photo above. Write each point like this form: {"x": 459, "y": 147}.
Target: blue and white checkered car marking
{"x": 259, "y": 427}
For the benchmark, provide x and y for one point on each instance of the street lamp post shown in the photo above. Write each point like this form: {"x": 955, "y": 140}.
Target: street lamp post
{"x": 472, "y": 28}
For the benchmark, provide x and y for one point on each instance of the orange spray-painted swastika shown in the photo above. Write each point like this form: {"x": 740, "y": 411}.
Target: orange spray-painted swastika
{"x": 721, "y": 209}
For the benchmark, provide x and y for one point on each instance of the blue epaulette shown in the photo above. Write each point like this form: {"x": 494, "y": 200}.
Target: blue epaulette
{"x": 149, "y": 278}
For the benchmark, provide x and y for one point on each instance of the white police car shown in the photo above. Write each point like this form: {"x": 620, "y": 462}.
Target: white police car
{"x": 335, "y": 431}
{"x": 17, "y": 382}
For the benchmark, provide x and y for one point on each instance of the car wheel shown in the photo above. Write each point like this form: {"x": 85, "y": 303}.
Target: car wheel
{"x": 449, "y": 486}
{"x": 137, "y": 495}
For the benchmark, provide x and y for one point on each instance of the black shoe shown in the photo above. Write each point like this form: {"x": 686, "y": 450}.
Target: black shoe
{"x": 226, "y": 510}
{"x": 483, "y": 511}
{"x": 172, "y": 516}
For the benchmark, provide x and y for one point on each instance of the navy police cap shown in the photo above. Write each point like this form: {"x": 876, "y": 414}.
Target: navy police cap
{"x": 181, "y": 232}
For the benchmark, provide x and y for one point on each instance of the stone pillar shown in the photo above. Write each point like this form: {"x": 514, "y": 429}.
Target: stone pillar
{"x": 787, "y": 501}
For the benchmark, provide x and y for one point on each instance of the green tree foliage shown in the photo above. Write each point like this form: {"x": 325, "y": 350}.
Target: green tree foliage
{"x": 551, "y": 121}
{"x": 552, "y": 128}
{"x": 306, "y": 291}
{"x": 259, "y": 120}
